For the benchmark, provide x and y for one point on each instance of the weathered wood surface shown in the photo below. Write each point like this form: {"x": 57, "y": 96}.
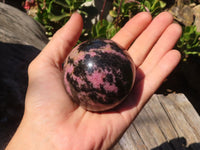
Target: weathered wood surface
{"x": 16, "y": 27}
{"x": 166, "y": 123}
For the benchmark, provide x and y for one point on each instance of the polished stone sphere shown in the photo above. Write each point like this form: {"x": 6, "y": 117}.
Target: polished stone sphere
{"x": 98, "y": 74}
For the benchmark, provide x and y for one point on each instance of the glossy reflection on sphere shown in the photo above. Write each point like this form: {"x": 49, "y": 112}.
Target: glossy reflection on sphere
{"x": 98, "y": 74}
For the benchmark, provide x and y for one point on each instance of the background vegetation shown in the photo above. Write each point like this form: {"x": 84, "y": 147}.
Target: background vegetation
{"x": 55, "y": 13}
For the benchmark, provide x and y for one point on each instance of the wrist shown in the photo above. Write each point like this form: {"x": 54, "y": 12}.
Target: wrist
{"x": 28, "y": 137}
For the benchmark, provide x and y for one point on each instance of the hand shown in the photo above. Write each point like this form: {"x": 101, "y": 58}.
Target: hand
{"x": 52, "y": 121}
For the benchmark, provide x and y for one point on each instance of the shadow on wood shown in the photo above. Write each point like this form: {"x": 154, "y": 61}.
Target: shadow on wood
{"x": 178, "y": 144}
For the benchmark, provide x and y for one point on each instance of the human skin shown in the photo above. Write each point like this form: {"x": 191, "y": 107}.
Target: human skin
{"x": 52, "y": 121}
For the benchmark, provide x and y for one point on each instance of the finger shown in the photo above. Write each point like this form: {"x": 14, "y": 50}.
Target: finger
{"x": 164, "y": 44}
{"x": 145, "y": 88}
{"x": 63, "y": 40}
{"x": 141, "y": 47}
{"x": 154, "y": 79}
{"x": 132, "y": 29}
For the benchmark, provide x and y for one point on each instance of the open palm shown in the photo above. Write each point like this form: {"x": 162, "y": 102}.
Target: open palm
{"x": 52, "y": 121}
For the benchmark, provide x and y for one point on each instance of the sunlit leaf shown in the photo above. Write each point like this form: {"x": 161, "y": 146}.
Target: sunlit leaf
{"x": 162, "y": 4}
{"x": 113, "y": 13}
{"x": 58, "y": 18}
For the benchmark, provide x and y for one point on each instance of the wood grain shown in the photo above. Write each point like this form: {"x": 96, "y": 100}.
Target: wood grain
{"x": 166, "y": 123}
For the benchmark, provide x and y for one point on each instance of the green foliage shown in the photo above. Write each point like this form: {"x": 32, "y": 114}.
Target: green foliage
{"x": 154, "y": 6}
{"x": 129, "y": 8}
{"x": 53, "y": 14}
{"x": 189, "y": 43}
{"x": 104, "y": 29}
{"x": 122, "y": 12}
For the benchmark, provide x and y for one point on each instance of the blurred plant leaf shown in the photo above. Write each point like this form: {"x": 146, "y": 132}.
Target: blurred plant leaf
{"x": 113, "y": 13}
{"x": 58, "y": 18}
{"x": 189, "y": 42}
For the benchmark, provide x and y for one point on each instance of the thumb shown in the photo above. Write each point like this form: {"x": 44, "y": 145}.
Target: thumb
{"x": 55, "y": 52}
{"x": 45, "y": 78}
{"x": 63, "y": 40}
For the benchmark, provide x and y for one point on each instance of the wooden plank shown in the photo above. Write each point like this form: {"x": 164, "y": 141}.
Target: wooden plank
{"x": 189, "y": 112}
{"x": 132, "y": 140}
{"x": 178, "y": 119}
{"x": 167, "y": 123}
{"x": 161, "y": 119}
{"x": 148, "y": 129}
{"x": 117, "y": 147}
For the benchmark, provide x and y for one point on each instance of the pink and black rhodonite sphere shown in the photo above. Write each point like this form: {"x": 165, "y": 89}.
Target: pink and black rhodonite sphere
{"x": 98, "y": 74}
